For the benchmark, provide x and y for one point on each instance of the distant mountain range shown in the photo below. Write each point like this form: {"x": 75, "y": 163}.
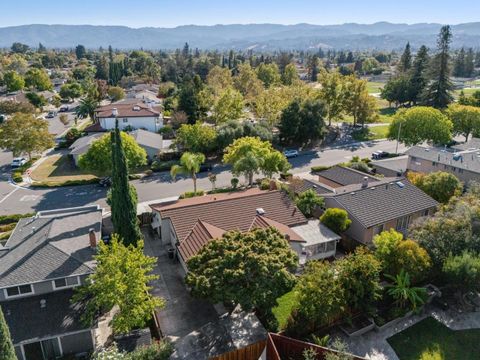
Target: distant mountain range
{"x": 260, "y": 37}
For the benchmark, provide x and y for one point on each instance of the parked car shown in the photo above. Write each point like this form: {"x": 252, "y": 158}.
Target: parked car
{"x": 290, "y": 153}
{"x": 17, "y": 162}
{"x": 205, "y": 167}
{"x": 105, "y": 182}
{"x": 51, "y": 114}
{"x": 64, "y": 108}
{"x": 380, "y": 155}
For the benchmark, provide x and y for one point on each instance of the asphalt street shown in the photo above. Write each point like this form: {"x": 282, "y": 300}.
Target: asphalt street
{"x": 14, "y": 199}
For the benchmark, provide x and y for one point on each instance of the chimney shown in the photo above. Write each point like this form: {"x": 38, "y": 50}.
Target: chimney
{"x": 365, "y": 182}
{"x": 93, "y": 238}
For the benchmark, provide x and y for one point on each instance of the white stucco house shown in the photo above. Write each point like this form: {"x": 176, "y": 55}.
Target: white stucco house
{"x": 132, "y": 114}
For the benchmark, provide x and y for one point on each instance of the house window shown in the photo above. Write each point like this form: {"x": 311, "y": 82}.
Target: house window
{"x": 19, "y": 290}
{"x": 65, "y": 282}
{"x": 414, "y": 158}
{"x": 403, "y": 222}
{"x": 460, "y": 171}
{"x": 331, "y": 245}
{"x": 377, "y": 229}
{"x": 425, "y": 212}
{"x": 434, "y": 163}
{"x": 125, "y": 120}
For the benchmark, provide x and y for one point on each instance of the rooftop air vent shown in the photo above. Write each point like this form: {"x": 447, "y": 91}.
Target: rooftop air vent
{"x": 400, "y": 184}
{"x": 136, "y": 108}
{"x": 260, "y": 211}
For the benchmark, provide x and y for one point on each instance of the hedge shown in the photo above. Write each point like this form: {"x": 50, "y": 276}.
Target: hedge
{"x": 190, "y": 194}
{"x": 41, "y": 184}
{"x": 7, "y": 227}
{"x": 8, "y": 219}
{"x": 319, "y": 168}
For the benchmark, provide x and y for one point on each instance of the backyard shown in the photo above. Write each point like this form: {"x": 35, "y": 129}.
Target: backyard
{"x": 284, "y": 308}
{"x": 431, "y": 340}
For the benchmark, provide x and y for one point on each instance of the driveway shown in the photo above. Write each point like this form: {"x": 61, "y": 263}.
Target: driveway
{"x": 182, "y": 313}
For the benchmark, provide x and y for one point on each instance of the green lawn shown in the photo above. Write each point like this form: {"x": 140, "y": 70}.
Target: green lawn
{"x": 467, "y": 92}
{"x": 284, "y": 308}
{"x": 57, "y": 169}
{"x": 375, "y": 87}
{"x": 371, "y": 133}
{"x": 431, "y": 340}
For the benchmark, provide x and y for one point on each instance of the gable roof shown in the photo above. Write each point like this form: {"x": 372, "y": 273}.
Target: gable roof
{"x": 147, "y": 139}
{"x": 51, "y": 245}
{"x": 235, "y": 211}
{"x": 201, "y": 233}
{"x": 81, "y": 145}
{"x": 127, "y": 108}
{"x": 344, "y": 176}
{"x": 398, "y": 164}
{"x": 387, "y": 200}
{"x": 263, "y": 222}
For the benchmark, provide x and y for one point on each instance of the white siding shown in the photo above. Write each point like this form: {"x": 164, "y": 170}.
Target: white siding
{"x": 149, "y": 123}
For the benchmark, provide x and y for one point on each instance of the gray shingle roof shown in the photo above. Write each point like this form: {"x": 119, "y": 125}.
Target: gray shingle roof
{"x": 473, "y": 143}
{"x": 81, "y": 145}
{"x": 398, "y": 164}
{"x": 311, "y": 184}
{"x": 51, "y": 245}
{"x": 467, "y": 159}
{"x": 148, "y": 138}
{"x": 27, "y": 320}
{"x": 386, "y": 201}
{"x": 344, "y": 176}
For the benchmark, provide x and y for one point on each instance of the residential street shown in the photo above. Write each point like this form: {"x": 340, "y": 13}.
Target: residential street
{"x": 14, "y": 199}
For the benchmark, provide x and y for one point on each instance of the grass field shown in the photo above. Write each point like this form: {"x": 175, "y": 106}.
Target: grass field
{"x": 467, "y": 91}
{"x": 285, "y": 306}
{"x": 375, "y": 87}
{"x": 57, "y": 169}
{"x": 431, "y": 340}
{"x": 371, "y": 133}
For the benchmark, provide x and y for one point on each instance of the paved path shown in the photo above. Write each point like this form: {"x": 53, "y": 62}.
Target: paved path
{"x": 374, "y": 345}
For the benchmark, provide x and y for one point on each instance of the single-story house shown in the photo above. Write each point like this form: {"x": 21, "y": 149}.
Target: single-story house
{"x": 392, "y": 167}
{"x": 131, "y": 114}
{"x": 189, "y": 224}
{"x": 338, "y": 176}
{"x": 45, "y": 257}
{"x": 464, "y": 164}
{"x": 81, "y": 145}
{"x": 146, "y": 96}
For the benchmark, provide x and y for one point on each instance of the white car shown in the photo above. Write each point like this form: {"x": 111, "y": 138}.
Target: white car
{"x": 17, "y": 162}
{"x": 290, "y": 153}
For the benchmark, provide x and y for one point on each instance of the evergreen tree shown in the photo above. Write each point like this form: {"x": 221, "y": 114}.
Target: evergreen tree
{"x": 438, "y": 92}
{"x": 123, "y": 196}
{"x": 405, "y": 60}
{"x": 418, "y": 78}
{"x": 469, "y": 63}
{"x": 80, "y": 52}
{"x": 7, "y": 351}
{"x": 459, "y": 65}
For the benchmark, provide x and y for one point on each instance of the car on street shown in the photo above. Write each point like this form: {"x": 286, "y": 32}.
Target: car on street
{"x": 377, "y": 155}
{"x": 105, "y": 182}
{"x": 290, "y": 153}
{"x": 51, "y": 114}
{"x": 64, "y": 108}
{"x": 17, "y": 162}
{"x": 205, "y": 167}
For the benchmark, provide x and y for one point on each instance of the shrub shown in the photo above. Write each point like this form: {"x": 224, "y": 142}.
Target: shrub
{"x": 8, "y": 219}
{"x": 319, "y": 168}
{"x": 5, "y": 235}
{"x": 157, "y": 351}
{"x": 234, "y": 182}
{"x": 265, "y": 184}
{"x": 360, "y": 166}
{"x": 308, "y": 201}
{"x": 17, "y": 176}
{"x": 336, "y": 219}
{"x": 7, "y": 227}
{"x": 167, "y": 132}
{"x": 41, "y": 184}
{"x": 190, "y": 194}
{"x": 158, "y": 165}
{"x": 148, "y": 172}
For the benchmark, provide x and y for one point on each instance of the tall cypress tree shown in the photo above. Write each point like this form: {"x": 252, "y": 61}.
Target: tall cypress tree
{"x": 123, "y": 196}
{"x": 405, "y": 60}
{"x": 438, "y": 92}
{"x": 418, "y": 77}
{"x": 7, "y": 352}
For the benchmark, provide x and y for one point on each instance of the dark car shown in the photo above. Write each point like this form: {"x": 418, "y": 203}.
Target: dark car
{"x": 377, "y": 155}
{"x": 205, "y": 167}
{"x": 105, "y": 182}
{"x": 64, "y": 108}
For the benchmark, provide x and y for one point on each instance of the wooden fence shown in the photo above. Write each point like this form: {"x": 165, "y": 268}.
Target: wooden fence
{"x": 251, "y": 352}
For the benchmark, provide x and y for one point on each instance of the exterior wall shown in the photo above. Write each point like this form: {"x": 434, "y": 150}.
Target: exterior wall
{"x": 77, "y": 343}
{"x": 427, "y": 166}
{"x": 150, "y": 123}
{"x": 151, "y": 152}
{"x": 328, "y": 182}
{"x": 385, "y": 172}
{"x": 297, "y": 247}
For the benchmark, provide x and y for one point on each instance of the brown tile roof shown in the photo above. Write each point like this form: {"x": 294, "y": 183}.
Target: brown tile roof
{"x": 202, "y": 232}
{"x": 127, "y": 109}
{"x": 96, "y": 127}
{"x": 262, "y": 222}
{"x": 233, "y": 211}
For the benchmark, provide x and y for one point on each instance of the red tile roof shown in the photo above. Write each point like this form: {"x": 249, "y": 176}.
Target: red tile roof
{"x": 262, "y": 222}
{"x": 200, "y": 235}
{"x": 127, "y": 109}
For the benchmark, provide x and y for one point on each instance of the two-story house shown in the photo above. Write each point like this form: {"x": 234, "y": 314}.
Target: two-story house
{"x": 131, "y": 114}
{"x": 45, "y": 258}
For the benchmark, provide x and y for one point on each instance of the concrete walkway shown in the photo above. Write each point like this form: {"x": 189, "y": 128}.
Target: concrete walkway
{"x": 373, "y": 345}
{"x": 182, "y": 313}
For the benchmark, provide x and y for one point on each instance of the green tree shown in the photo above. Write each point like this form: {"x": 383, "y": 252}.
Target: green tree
{"x": 418, "y": 76}
{"x": 308, "y": 201}
{"x": 332, "y": 94}
{"x": 396, "y": 254}
{"x": 232, "y": 130}
{"x": 19, "y": 48}
{"x": 123, "y": 201}
{"x": 80, "y": 52}
{"x": 121, "y": 279}
{"x": 228, "y": 106}
{"x": 247, "y": 156}
{"x": 189, "y": 99}
{"x": 440, "y": 185}
{"x": 404, "y": 293}
{"x": 36, "y": 100}
{"x": 251, "y": 269}
{"x": 247, "y": 82}
{"x": 219, "y": 79}
{"x": 12, "y": 107}
{"x": 358, "y": 101}
{"x": 13, "y": 81}
{"x": 421, "y": 124}
{"x": 71, "y": 91}
{"x": 465, "y": 119}
{"x": 336, "y": 219}
{"x": 463, "y": 271}
{"x": 268, "y": 74}
{"x": 25, "y": 134}
{"x": 273, "y": 163}
{"x": 197, "y": 138}
{"x": 290, "y": 75}
{"x": 38, "y": 79}
{"x": 189, "y": 164}
{"x": 405, "y": 62}
{"x": 116, "y": 93}
{"x": 459, "y": 64}
{"x": 98, "y": 158}
{"x": 398, "y": 90}
{"x": 359, "y": 276}
{"x": 86, "y": 107}
{"x": 438, "y": 91}
{"x": 7, "y": 351}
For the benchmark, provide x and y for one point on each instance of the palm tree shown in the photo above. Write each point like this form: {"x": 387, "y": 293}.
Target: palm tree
{"x": 86, "y": 107}
{"x": 402, "y": 291}
{"x": 190, "y": 165}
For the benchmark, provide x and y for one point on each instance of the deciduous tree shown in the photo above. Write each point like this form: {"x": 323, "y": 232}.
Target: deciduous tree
{"x": 465, "y": 119}
{"x": 38, "y": 79}
{"x": 440, "y": 185}
{"x": 308, "y": 201}
{"x": 13, "y": 81}
{"x": 197, "y": 138}
{"x": 116, "y": 93}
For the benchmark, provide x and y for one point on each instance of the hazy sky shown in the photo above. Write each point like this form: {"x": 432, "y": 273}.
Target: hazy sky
{"x": 170, "y": 13}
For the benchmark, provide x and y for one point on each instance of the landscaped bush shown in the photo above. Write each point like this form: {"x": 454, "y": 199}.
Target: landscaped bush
{"x": 5, "y": 235}
{"x": 360, "y": 166}
{"x": 190, "y": 194}
{"x": 157, "y": 351}
{"x": 7, "y": 227}
{"x": 265, "y": 184}
{"x": 163, "y": 165}
{"x": 42, "y": 184}
{"x": 17, "y": 176}
{"x": 8, "y": 219}
{"x": 319, "y": 168}
{"x": 336, "y": 220}
{"x": 222, "y": 190}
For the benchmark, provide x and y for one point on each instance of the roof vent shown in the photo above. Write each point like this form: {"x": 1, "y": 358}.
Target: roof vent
{"x": 400, "y": 184}
{"x": 43, "y": 303}
{"x": 34, "y": 229}
{"x": 136, "y": 108}
{"x": 260, "y": 211}
{"x": 365, "y": 182}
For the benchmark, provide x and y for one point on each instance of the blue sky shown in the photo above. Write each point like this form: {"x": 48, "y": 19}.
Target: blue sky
{"x": 170, "y": 13}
